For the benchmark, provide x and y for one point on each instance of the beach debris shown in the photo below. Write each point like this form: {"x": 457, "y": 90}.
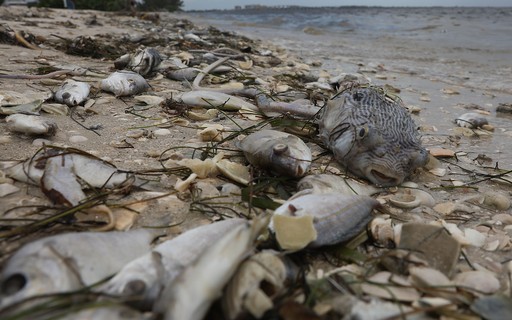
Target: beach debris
{"x": 330, "y": 183}
{"x": 143, "y": 279}
{"x": 495, "y": 307}
{"x": 72, "y": 93}
{"x": 335, "y": 217}
{"x": 258, "y": 281}
{"x": 31, "y": 108}
{"x": 214, "y": 100}
{"x": 471, "y": 120}
{"x": 195, "y": 289}
{"x": 383, "y": 232}
{"x": 173, "y": 68}
{"x": 234, "y": 171}
{"x": 279, "y": 152}
{"x": 430, "y": 243}
{"x": 504, "y": 107}
{"x": 410, "y": 196}
{"x": 372, "y": 134}
{"x": 441, "y": 152}
{"x": 32, "y": 125}
{"x": 124, "y": 83}
{"x": 477, "y": 282}
{"x": 110, "y": 312}
{"x": 69, "y": 262}
{"x": 143, "y": 61}
{"x": 390, "y": 286}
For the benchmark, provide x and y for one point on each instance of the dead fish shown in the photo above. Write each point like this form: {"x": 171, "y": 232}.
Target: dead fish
{"x": 330, "y": 183}
{"x": 109, "y": 312}
{"x": 124, "y": 83}
{"x": 201, "y": 282}
{"x": 280, "y": 152}
{"x": 72, "y": 93}
{"x": 471, "y": 120}
{"x": 68, "y": 262}
{"x": 143, "y": 62}
{"x": 173, "y": 68}
{"x": 212, "y": 99}
{"x": 336, "y": 217}
{"x": 372, "y": 134}
{"x": 29, "y": 124}
{"x": 143, "y": 279}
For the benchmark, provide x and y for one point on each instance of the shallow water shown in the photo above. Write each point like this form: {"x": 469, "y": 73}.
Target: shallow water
{"x": 422, "y": 50}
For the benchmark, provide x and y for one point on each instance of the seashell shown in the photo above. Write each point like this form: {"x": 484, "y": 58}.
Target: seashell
{"x": 495, "y": 307}
{"x": 162, "y": 132}
{"x": 294, "y": 233}
{"x": 245, "y": 65}
{"x": 423, "y": 277}
{"x": 389, "y": 286}
{"x": 7, "y": 189}
{"x": 27, "y": 108}
{"x": 210, "y": 134}
{"x": 202, "y": 168}
{"x": 13, "y": 98}
{"x": 77, "y": 139}
{"x": 449, "y": 91}
{"x": 203, "y": 116}
{"x": 31, "y": 124}
{"x": 245, "y": 291}
{"x": 425, "y": 98}
{"x": 234, "y": 171}
{"x": 184, "y": 185}
{"x": 382, "y": 231}
{"x": 442, "y": 152}
{"x": 412, "y": 198}
{"x": 377, "y": 309}
{"x": 477, "y": 282}
{"x": 337, "y": 219}
{"x": 447, "y": 208}
{"x": 55, "y": 108}
{"x": 497, "y": 200}
{"x": 149, "y": 99}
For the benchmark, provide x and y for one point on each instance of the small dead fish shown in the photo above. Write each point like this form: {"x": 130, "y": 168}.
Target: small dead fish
{"x": 329, "y": 183}
{"x": 124, "y": 83}
{"x": 201, "y": 282}
{"x": 336, "y": 217}
{"x": 68, "y": 262}
{"x": 212, "y": 99}
{"x": 174, "y": 68}
{"x": 471, "y": 120}
{"x": 280, "y": 152}
{"x": 30, "y": 124}
{"x": 72, "y": 93}
{"x": 143, "y": 62}
{"x": 145, "y": 277}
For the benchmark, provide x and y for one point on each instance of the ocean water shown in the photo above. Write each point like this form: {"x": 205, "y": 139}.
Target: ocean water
{"x": 421, "y": 51}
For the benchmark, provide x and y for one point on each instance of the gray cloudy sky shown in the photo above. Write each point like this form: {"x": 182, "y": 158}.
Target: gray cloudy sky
{"x": 229, "y": 4}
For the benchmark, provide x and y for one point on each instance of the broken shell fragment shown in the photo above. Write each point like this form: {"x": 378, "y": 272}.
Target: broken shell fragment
{"x": 336, "y": 217}
{"x": 234, "y": 171}
{"x": 28, "y": 124}
{"x": 390, "y": 286}
{"x": 294, "y": 233}
{"x": 210, "y": 134}
{"x": 478, "y": 282}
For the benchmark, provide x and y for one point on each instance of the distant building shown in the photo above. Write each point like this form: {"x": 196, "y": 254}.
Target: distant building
{"x": 238, "y": 7}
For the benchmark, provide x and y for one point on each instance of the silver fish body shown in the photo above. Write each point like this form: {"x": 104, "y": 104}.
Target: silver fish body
{"x": 373, "y": 135}
{"x": 30, "y": 124}
{"x": 145, "y": 277}
{"x": 68, "y": 262}
{"x": 336, "y": 217}
{"x": 279, "y": 152}
{"x": 72, "y": 93}
{"x": 143, "y": 62}
{"x": 124, "y": 83}
{"x": 329, "y": 183}
{"x": 471, "y": 120}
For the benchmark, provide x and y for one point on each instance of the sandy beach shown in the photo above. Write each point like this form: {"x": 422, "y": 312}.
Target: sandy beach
{"x": 442, "y": 63}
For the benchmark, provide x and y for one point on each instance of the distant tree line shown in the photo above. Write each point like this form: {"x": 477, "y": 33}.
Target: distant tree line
{"x": 116, "y": 5}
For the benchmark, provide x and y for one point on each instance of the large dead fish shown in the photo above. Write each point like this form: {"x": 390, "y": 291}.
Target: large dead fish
{"x": 334, "y": 218}
{"x": 68, "y": 262}
{"x": 143, "y": 279}
{"x": 372, "y": 134}
{"x": 72, "y": 93}
{"x": 201, "y": 282}
{"x": 143, "y": 62}
{"x": 279, "y": 152}
{"x": 124, "y": 83}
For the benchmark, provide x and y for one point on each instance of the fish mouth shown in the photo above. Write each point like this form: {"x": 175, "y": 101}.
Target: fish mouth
{"x": 382, "y": 179}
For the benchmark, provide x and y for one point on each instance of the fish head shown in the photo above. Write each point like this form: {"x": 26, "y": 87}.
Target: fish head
{"x": 289, "y": 161}
{"x": 35, "y": 273}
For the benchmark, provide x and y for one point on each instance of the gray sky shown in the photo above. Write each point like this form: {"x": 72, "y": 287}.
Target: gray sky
{"x": 230, "y": 4}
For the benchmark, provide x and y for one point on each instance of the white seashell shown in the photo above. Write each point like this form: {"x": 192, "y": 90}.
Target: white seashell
{"x": 294, "y": 233}
{"x": 210, "y": 134}
{"x": 149, "y": 99}
{"x": 477, "y": 282}
{"x": 412, "y": 198}
{"x": 382, "y": 231}
{"x": 440, "y": 172}
{"x": 474, "y": 238}
{"x": 423, "y": 277}
{"x": 162, "y": 132}
{"x": 55, "y": 108}
{"x": 203, "y": 116}
{"x": 390, "y": 286}
{"x": 183, "y": 185}
{"x": 7, "y": 189}
{"x": 497, "y": 200}
{"x": 202, "y": 168}
{"x": 234, "y": 171}
{"x": 77, "y": 139}
{"x": 31, "y": 124}
{"x": 13, "y": 98}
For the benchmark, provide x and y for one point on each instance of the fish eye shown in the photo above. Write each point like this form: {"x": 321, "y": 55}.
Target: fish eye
{"x": 363, "y": 132}
{"x": 280, "y": 148}
{"x": 13, "y": 284}
{"x": 358, "y": 96}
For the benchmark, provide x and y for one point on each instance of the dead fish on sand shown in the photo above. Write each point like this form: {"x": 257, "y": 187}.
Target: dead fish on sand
{"x": 72, "y": 93}
{"x": 279, "y": 152}
{"x": 143, "y": 62}
{"x": 329, "y": 183}
{"x": 372, "y": 134}
{"x": 124, "y": 83}
{"x": 335, "y": 218}
{"x": 68, "y": 262}
{"x": 30, "y": 124}
{"x": 143, "y": 279}
{"x": 471, "y": 120}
